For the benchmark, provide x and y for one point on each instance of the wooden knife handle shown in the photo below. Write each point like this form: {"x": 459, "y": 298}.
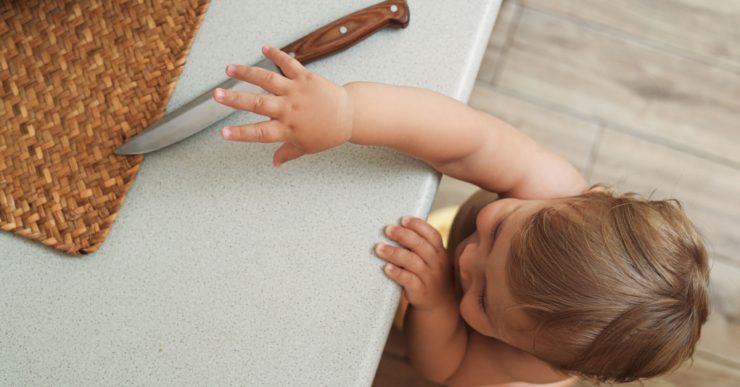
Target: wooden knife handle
{"x": 343, "y": 33}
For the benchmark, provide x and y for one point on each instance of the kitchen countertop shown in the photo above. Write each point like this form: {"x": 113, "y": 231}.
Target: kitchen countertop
{"x": 221, "y": 269}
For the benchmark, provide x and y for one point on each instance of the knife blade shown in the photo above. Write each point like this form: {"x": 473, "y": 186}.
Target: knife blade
{"x": 203, "y": 111}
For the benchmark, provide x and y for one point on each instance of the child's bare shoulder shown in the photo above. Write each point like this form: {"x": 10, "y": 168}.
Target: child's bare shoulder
{"x": 490, "y": 361}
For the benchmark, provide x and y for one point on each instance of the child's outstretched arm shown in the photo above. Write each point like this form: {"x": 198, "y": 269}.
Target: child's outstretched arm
{"x": 459, "y": 141}
{"x": 310, "y": 114}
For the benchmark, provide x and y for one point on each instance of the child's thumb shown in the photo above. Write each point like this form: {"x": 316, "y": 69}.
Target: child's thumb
{"x": 285, "y": 153}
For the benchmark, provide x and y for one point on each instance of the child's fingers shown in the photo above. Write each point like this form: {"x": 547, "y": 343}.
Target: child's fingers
{"x": 411, "y": 240}
{"x": 425, "y": 230}
{"x": 263, "y": 104}
{"x": 289, "y": 65}
{"x": 285, "y": 153}
{"x": 266, "y": 131}
{"x": 405, "y": 278}
{"x": 401, "y": 257}
{"x": 271, "y": 81}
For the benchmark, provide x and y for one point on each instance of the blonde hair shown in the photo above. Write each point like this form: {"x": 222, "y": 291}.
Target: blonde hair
{"x": 618, "y": 284}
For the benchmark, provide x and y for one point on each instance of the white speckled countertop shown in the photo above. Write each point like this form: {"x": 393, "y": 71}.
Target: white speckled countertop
{"x": 223, "y": 270}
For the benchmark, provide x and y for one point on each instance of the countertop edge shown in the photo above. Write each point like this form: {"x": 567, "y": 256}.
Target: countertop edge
{"x": 462, "y": 93}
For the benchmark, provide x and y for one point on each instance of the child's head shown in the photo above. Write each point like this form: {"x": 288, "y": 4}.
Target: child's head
{"x": 617, "y": 286}
{"x": 609, "y": 287}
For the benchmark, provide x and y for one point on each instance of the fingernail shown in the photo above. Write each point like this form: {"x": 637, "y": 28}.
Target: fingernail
{"x": 230, "y": 69}
{"x": 220, "y": 93}
{"x": 226, "y": 132}
{"x": 389, "y": 229}
{"x": 390, "y": 268}
{"x": 379, "y": 248}
{"x": 405, "y": 220}
{"x": 265, "y": 48}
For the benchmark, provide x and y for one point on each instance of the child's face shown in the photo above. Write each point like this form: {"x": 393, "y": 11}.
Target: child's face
{"x": 480, "y": 263}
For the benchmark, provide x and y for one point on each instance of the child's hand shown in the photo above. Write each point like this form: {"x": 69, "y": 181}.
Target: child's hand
{"x": 421, "y": 265}
{"x": 308, "y": 113}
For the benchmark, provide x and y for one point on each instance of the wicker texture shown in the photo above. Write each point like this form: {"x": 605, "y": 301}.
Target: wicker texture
{"x": 77, "y": 78}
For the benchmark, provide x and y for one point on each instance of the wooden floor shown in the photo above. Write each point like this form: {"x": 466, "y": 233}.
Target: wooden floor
{"x": 641, "y": 95}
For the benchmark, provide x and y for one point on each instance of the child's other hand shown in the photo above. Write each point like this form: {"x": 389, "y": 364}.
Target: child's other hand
{"x": 308, "y": 113}
{"x": 421, "y": 265}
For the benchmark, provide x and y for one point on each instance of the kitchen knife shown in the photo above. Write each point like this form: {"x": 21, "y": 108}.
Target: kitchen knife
{"x": 203, "y": 111}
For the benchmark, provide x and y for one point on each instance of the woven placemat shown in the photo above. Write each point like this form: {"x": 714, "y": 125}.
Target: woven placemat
{"x": 78, "y": 78}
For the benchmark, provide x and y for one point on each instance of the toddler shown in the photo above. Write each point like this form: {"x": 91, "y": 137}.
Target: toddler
{"x": 552, "y": 280}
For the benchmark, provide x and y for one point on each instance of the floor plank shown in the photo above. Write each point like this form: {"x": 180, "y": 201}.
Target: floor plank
{"x": 565, "y": 135}
{"x": 699, "y": 374}
{"x": 709, "y": 191}
{"x": 505, "y": 22}
{"x": 721, "y": 334}
{"x": 556, "y": 62}
{"x": 672, "y": 24}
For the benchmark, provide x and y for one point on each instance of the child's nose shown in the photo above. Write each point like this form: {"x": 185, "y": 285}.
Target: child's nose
{"x": 464, "y": 274}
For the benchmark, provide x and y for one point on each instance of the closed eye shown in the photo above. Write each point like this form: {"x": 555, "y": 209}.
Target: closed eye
{"x": 496, "y": 231}
{"x": 482, "y": 298}
{"x": 499, "y": 227}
